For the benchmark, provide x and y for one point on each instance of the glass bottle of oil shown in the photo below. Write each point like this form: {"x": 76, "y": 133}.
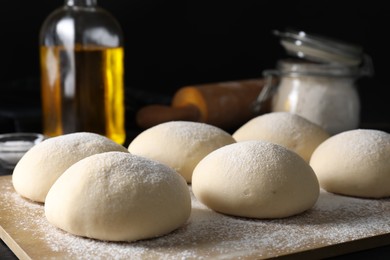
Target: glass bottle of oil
{"x": 82, "y": 71}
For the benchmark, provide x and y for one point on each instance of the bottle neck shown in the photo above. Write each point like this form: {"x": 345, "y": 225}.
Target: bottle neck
{"x": 81, "y": 3}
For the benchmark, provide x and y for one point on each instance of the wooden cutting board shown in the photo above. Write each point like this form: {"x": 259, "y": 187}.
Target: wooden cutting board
{"x": 336, "y": 225}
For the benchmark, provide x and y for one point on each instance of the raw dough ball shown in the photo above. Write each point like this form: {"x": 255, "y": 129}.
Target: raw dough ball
{"x": 118, "y": 197}
{"x": 40, "y": 167}
{"x": 255, "y": 179}
{"x": 286, "y": 129}
{"x": 354, "y": 163}
{"x": 180, "y": 144}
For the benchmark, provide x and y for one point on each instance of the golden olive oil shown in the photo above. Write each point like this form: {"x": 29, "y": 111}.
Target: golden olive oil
{"x": 83, "y": 90}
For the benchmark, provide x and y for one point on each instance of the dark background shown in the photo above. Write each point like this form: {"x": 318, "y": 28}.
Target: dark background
{"x": 169, "y": 44}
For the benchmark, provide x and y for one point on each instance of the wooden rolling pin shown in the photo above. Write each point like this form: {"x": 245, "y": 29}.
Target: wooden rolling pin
{"x": 225, "y": 104}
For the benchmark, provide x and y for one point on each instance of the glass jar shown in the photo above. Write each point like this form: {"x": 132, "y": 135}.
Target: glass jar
{"x": 322, "y": 93}
{"x": 81, "y": 57}
{"x": 319, "y": 83}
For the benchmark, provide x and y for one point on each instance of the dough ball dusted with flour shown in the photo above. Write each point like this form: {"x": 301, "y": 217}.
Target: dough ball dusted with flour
{"x": 118, "y": 196}
{"x": 255, "y": 179}
{"x": 286, "y": 129}
{"x": 40, "y": 167}
{"x": 180, "y": 144}
{"x": 354, "y": 163}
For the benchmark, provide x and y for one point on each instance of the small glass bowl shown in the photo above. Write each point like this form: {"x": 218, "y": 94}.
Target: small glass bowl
{"x": 14, "y": 145}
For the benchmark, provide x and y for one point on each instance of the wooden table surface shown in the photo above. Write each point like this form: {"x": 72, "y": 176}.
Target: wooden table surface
{"x": 336, "y": 225}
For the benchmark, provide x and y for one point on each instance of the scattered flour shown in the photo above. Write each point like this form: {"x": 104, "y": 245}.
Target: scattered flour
{"x": 207, "y": 234}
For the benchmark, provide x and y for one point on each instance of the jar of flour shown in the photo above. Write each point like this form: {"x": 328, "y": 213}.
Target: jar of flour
{"x": 319, "y": 83}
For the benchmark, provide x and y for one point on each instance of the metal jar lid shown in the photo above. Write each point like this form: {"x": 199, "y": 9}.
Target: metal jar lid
{"x": 320, "y": 49}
